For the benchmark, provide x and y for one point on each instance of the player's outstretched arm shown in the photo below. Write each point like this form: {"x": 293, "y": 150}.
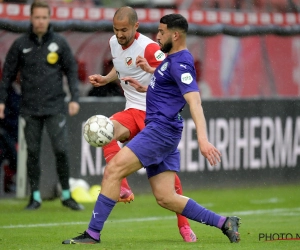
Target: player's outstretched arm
{"x": 208, "y": 150}
{"x": 99, "y": 80}
{"x": 134, "y": 83}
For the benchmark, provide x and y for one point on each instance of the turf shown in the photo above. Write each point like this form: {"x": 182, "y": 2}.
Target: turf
{"x": 142, "y": 224}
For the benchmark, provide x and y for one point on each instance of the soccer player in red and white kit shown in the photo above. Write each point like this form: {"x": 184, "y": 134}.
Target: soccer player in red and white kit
{"x": 134, "y": 55}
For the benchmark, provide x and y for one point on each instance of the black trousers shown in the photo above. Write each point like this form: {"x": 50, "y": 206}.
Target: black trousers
{"x": 57, "y": 131}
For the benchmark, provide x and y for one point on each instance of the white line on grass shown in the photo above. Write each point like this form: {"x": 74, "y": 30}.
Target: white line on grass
{"x": 85, "y": 222}
{"x": 267, "y": 201}
{"x": 277, "y": 211}
{"x": 266, "y": 211}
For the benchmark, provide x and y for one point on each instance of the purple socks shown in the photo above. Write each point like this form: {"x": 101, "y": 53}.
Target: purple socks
{"x": 101, "y": 211}
{"x": 198, "y": 213}
{"x": 192, "y": 210}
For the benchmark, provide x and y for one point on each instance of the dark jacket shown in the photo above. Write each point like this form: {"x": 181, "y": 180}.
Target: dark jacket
{"x": 42, "y": 65}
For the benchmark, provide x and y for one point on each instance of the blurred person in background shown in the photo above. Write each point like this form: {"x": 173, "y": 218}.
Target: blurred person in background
{"x": 42, "y": 57}
{"x": 9, "y": 136}
{"x": 138, "y": 56}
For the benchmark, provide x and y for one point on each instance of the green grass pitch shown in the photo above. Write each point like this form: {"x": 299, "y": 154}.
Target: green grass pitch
{"x": 271, "y": 211}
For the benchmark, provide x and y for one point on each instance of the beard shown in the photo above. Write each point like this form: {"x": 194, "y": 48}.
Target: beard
{"x": 167, "y": 46}
{"x": 123, "y": 41}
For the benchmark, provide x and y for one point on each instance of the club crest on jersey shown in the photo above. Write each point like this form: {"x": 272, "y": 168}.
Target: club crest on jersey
{"x": 128, "y": 61}
{"x": 164, "y": 66}
{"x": 186, "y": 78}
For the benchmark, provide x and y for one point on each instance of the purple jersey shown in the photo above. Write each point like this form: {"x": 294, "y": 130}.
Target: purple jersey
{"x": 173, "y": 78}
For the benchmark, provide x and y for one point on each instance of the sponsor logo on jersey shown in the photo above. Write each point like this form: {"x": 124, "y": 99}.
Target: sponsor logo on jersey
{"x": 164, "y": 66}
{"x": 128, "y": 61}
{"x": 186, "y": 78}
{"x": 159, "y": 55}
{"x": 152, "y": 81}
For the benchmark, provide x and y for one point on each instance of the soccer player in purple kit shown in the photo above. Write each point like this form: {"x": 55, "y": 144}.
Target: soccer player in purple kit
{"x": 155, "y": 148}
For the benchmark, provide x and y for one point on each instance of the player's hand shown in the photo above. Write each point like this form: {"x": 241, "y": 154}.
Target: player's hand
{"x": 144, "y": 65}
{"x": 134, "y": 83}
{"x": 2, "y": 108}
{"x": 73, "y": 108}
{"x": 212, "y": 154}
{"x": 97, "y": 80}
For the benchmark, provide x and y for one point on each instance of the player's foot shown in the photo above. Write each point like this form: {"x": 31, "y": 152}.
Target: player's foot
{"x": 126, "y": 195}
{"x": 187, "y": 234}
{"x": 33, "y": 205}
{"x": 83, "y": 238}
{"x": 71, "y": 203}
{"x": 230, "y": 229}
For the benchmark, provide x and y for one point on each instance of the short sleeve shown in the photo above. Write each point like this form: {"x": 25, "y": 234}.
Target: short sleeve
{"x": 154, "y": 55}
{"x": 185, "y": 76}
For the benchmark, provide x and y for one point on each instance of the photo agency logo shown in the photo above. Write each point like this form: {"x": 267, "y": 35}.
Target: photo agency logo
{"x": 278, "y": 236}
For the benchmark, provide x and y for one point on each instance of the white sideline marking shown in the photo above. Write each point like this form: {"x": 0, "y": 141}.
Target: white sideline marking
{"x": 266, "y": 201}
{"x": 266, "y": 211}
{"x": 277, "y": 211}
{"x": 86, "y": 222}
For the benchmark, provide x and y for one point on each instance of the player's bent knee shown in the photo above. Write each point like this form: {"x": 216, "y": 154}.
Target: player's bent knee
{"x": 113, "y": 171}
{"x": 163, "y": 201}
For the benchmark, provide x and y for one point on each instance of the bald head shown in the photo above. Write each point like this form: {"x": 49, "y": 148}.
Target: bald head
{"x": 125, "y": 25}
{"x": 126, "y": 12}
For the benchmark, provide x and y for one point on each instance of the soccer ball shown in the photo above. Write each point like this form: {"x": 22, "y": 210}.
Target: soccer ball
{"x": 98, "y": 130}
